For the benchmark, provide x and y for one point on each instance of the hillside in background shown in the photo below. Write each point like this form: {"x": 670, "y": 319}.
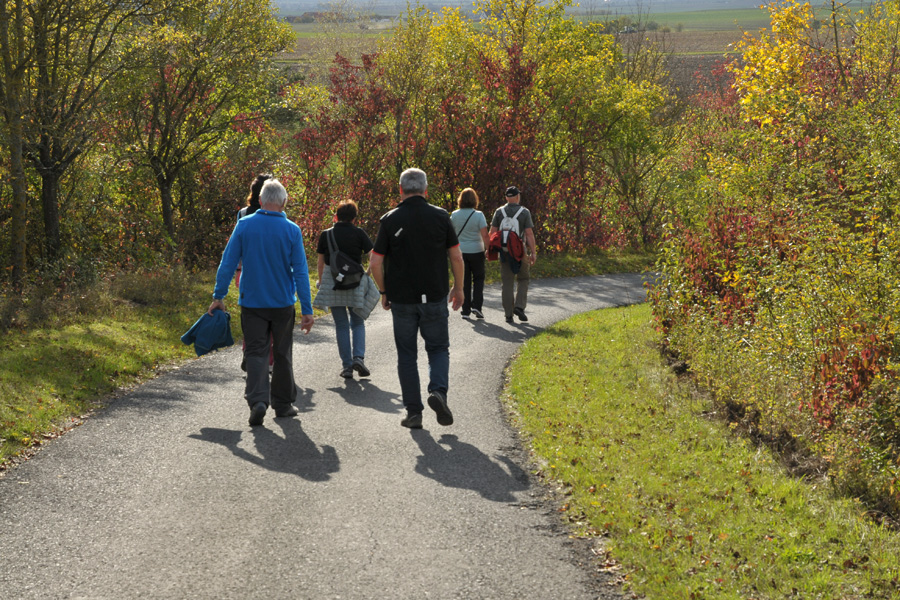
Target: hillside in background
{"x": 390, "y": 7}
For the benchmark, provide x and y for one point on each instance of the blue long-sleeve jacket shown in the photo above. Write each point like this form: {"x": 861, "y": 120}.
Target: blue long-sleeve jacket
{"x": 269, "y": 247}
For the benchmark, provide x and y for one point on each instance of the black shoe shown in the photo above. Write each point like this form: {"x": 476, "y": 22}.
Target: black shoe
{"x": 412, "y": 420}
{"x": 438, "y": 404}
{"x": 290, "y": 411}
{"x": 257, "y": 413}
{"x": 477, "y": 313}
{"x": 466, "y": 316}
{"x": 520, "y": 312}
{"x": 360, "y": 367}
{"x": 347, "y": 372}
{"x": 509, "y": 319}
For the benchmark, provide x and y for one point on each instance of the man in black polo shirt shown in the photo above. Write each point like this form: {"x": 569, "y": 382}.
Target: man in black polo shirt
{"x": 409, "y": 264}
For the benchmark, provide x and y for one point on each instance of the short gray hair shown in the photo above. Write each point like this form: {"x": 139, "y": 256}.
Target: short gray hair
{"x": 273, "y": 194}
{"x": 413, "y": 181}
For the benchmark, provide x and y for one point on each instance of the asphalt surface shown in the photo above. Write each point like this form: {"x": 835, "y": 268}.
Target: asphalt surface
{"x": 168, "y": 493}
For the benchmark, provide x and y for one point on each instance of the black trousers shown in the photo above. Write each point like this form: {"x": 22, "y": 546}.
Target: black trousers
{"x": 473, "y": 282}
{"x": 258, "y": 325}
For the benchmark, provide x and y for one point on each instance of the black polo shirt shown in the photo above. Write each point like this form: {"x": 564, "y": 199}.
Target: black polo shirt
{"x": 414, "y": 239}
{"x": 350, "y": 239}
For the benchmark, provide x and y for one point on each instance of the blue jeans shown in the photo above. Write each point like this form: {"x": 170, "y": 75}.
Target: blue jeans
{"x": 345, "y": 322}
{"x": 431, "y": 320}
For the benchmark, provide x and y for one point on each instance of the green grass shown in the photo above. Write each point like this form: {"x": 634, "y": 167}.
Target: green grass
{"x": 53, "y": 374}
{"x": 689, "y": 510}
{"x": 51, "y": 377}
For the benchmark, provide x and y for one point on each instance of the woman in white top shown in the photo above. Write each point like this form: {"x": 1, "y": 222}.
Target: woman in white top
{"x": 471, "y": 229}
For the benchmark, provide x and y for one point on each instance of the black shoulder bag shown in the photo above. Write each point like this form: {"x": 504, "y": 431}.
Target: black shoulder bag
{"x": 347, "y": 272}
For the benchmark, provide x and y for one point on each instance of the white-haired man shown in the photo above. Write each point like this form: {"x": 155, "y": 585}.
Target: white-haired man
{"x": 269, "y": 248}
{"x": 409, "y": 265}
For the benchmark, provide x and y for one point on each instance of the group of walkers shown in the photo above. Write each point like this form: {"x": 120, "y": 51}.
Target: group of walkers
{"x": 417, "y": 243}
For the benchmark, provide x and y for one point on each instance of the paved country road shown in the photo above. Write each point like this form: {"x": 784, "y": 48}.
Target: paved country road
{"x": 168, "y": 493}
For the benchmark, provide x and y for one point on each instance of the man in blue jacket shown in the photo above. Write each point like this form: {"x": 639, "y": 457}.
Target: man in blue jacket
{"x": 274, "y": 275}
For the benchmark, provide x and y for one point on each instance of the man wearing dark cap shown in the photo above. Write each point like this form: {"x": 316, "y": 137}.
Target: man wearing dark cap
{"x": 515, "y": 285}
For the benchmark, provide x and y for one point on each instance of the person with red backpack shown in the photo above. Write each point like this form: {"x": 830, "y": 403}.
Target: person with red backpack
{"x": 513, "y": 224}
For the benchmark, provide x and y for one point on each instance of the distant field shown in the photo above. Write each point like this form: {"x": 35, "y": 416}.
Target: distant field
{"x": 709, "y": 33}
{"x": 737, "y": 19}
{"x": 747, "y": 19}
{"x": 314, "y": 30}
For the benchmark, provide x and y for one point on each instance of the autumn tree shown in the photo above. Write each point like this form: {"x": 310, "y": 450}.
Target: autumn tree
{"x": 205, "y": 65}
{"x": 782, "y": 247}
{"x": 16, "y": 56}
{"x": 76, "y": 52}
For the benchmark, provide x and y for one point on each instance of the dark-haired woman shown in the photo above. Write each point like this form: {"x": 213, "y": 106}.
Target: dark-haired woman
{"x": 345, "y": 305}
{"x": 252, "y": 207}
{"x": 471, "y": 229}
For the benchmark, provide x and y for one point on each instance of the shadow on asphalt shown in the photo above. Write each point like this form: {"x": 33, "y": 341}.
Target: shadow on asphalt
{"x": 294, "y": 453}
{"x": 507, "y": 332}
{"x": 454, "y": 463}
{"x": 304, "y": 399}
{"x": 366, "y": 394}
{"x": 616, "y": 291}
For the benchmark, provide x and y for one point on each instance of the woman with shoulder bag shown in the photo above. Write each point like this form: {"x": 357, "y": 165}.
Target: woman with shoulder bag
{"x": 345, "y": 304}
{"x": 471, "y": 229}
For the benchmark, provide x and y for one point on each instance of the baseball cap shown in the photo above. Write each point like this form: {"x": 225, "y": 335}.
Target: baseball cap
{"x": 512, "y": 191}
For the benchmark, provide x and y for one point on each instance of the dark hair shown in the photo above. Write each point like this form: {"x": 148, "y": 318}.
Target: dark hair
{"x": 346, "y": 211}
{"x": 255, "y": 187}
{"x": 468, "y": 198}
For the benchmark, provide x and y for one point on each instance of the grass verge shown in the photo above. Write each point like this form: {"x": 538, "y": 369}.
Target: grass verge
{"x": 52, "y": 375}
{"x": 690, "y": 510}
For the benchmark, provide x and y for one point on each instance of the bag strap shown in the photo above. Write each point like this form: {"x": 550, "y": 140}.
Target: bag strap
{"x": 332, "y": 243}
{"x": 515, "y": 216}
{"x": 458, "y": 233}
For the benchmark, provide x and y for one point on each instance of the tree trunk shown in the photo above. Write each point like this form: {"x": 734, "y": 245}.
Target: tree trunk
{"x": 19, "y": 200}
{"x": 165, "y": 195}
{"x": 50, "y": 202}
{"x": 13, "y": 54}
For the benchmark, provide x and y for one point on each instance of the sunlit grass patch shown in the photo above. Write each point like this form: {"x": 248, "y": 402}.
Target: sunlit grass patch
{"x": 690, "y": 510}
{"x": 50, "y": 376}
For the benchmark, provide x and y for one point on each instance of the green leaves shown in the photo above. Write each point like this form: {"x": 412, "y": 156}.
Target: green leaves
{"x": 781, "y": 256}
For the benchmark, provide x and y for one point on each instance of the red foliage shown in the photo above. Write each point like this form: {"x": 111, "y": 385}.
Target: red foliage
{"x": 846, "y": 369}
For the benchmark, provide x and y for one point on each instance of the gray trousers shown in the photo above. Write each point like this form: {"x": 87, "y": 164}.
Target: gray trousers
{"x": 259, "y": 324}
{"x": 514, "y": 292}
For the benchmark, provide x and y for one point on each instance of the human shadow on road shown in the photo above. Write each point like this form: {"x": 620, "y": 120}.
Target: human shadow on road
{"x": 304, "y": 399}
{"x": 506, "y": 333}
{"x": 366, "y": 394}
{"x": 294, "y": 453}
{"x": 454, "y": 463}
